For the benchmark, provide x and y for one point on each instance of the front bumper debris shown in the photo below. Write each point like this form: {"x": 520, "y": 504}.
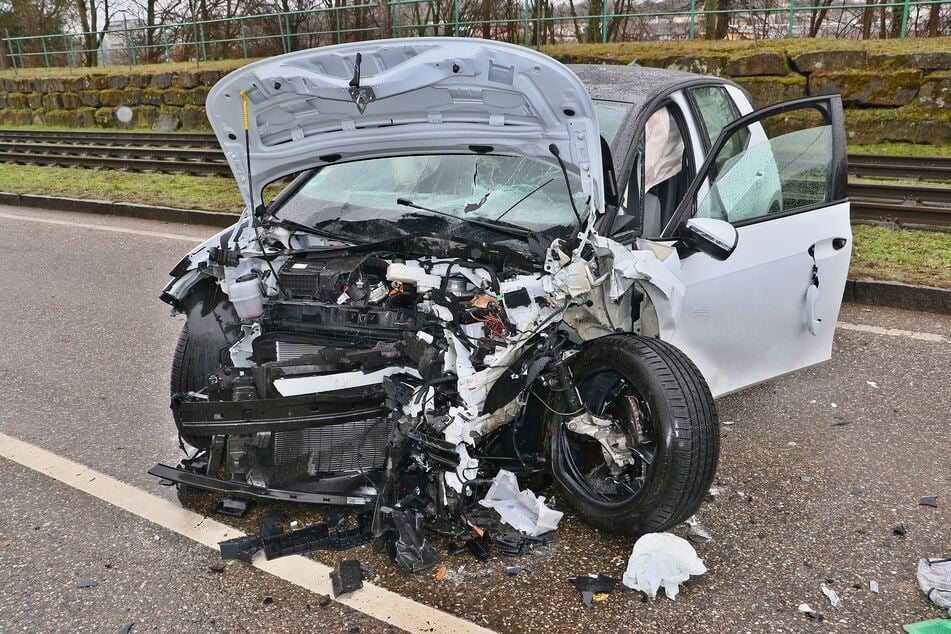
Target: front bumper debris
{"x": 183, "y": 476}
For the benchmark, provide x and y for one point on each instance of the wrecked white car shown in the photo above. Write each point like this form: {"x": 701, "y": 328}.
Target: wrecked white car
{"x": 490, "y": 261}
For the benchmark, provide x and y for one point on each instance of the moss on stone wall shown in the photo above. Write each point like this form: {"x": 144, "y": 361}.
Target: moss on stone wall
{"x": 881, "y": 83}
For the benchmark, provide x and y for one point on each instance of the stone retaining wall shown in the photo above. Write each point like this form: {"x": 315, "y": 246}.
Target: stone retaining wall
{"x": 173, "y": 100}
{"x": 900, "y": 97}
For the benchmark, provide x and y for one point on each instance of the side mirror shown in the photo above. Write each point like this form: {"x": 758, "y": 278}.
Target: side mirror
{"x": 717, "y": 238}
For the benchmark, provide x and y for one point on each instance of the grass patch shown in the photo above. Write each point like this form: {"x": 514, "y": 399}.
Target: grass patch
{"x": 170, "y": 190}
{"x": 901, "y": 255}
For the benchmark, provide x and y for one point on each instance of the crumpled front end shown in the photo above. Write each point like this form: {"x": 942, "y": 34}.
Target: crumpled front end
{"x": 402, "y": 375}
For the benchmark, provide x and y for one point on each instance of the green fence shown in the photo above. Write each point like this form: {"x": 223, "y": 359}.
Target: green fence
{"x": 528, "y": 22}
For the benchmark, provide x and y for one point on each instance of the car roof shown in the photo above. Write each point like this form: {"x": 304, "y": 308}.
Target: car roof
{"x": 633, "y": 84}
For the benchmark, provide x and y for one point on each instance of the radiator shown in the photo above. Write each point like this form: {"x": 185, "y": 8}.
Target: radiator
{"x": 335, "y": 448}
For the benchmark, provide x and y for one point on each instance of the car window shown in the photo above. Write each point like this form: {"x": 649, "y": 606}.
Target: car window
{"x": 661, "y": 173}
{"x": 778, "y": 165}
{"x": 716, "y": 109}
{"x": 611, "y": 115}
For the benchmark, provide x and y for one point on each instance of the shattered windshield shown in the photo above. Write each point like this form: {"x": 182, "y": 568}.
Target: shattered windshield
{"x": 441, "y": 193}
{"x": 514, "y": 190}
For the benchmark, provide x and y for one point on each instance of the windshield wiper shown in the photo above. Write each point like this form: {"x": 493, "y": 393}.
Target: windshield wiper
{"x": 297, "y": 226}
{"x": 522, "y": 199}
{"x": 500, "y": 227}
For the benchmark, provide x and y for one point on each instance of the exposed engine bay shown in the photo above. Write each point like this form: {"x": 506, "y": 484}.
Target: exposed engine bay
{"x": 403, "y": 373}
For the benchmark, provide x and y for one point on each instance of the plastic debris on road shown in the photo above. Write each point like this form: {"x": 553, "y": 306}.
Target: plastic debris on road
{"x": 831, "y": 595}
{"x": 929, "y": 500}
{"x": 661, "y": 560}
{"x": 412, "y": 552}
{"x": 697, "y": 533}
{"x": 873, "y": 586}
{"x": 233, "y": 507}
{"x": 806, "y": 609}
{"x": 933, "y": 626}
{"x": 516, "y": 570}
{"x": 522, "y": 510}
{"x": 346, "y": 577}
{"x": 901, "y": 529}
{"x": 934, "y": 579}
{"x": 593, "y": 587}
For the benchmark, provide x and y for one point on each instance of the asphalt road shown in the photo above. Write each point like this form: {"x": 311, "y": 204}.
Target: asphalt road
{"x": 815, "y": 470}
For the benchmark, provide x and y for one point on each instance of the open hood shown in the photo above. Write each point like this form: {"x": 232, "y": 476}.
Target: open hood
{"x": 406, "y": 96}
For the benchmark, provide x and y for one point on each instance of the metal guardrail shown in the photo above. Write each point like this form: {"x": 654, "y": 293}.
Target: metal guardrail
{"x": 199, "y": 154}
{"x": 529, "y": 22}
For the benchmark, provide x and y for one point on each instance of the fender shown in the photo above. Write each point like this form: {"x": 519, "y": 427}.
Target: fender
{"x": 189, "y": 270}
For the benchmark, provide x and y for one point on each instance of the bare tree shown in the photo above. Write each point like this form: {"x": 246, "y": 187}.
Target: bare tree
{"x": 934, "y": 20}
{"x": 717, "y": 24}
{"x": 93, "y": 33}
{"x": 816, "y": 17}
{"x": 156, "y": 14}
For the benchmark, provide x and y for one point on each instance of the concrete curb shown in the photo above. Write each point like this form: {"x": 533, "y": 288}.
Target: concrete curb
{"x": 128, "y": 210}
{"x": 861, "y": 291}
{"x": 898, "y": 295}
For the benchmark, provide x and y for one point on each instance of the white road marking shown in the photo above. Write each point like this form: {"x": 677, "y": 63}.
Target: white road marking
{"x": 892, "y": 332}
{"x": 86, "y": 225}
{"x": 371, "y": 600}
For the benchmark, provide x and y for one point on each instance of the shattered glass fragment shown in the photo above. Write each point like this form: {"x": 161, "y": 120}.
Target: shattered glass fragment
{"x": 831, "y": 595}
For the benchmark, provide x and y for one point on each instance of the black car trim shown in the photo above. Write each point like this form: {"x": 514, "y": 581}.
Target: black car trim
{"x": 206, "y": 418}
{"x": 189, "y": 478}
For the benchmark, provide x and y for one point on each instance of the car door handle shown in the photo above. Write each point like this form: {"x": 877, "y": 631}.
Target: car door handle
{"x": 812, "y": 322}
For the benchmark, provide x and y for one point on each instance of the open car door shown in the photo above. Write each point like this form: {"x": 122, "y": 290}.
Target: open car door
{"x": 778, "y": 176}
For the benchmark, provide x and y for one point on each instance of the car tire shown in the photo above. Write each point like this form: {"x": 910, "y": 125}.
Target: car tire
{"x": 685, "y": 431}
{"x": 189, "y": 365}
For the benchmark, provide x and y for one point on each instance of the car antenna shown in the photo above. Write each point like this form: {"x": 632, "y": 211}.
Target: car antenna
{"x": 360, "y": 95}
{"x": 564, "y": 170}
{"x": 355, "y": 82}
{"x": 254, "y": 210}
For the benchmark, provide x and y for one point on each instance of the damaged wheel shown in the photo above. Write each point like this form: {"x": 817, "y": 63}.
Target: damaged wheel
{"x": 641, "y": 453}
